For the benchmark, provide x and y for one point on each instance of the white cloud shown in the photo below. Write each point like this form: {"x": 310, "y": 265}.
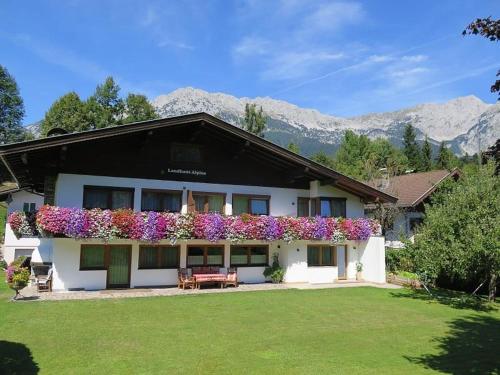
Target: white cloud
{"x": 332, "y": 16}
{"x": 415, "y": 58}
{"x": 408, "y": 72}
{"x": 251, "y": 46}
{"x": 164, "y": 26}
{"x": 294, "y": 64}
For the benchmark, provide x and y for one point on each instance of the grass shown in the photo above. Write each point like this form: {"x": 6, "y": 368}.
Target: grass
{"x": 330, "y": 331}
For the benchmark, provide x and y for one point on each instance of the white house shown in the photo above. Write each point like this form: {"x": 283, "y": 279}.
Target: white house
{"x": 412, "y": 190}
{"x": 191, "y": 163}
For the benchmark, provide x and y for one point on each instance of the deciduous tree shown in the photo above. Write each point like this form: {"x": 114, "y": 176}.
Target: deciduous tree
{"x": 460, "y": 236}
{"x": 68, "y": 113}
{"x": 490, "y": 29}
{"x": 138, "y": 108}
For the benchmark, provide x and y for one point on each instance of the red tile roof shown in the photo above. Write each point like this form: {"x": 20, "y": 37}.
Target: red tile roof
{"x": 411, "y": 189}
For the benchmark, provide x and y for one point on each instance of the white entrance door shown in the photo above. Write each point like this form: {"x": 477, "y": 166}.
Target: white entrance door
{"x": 341, "y": 265}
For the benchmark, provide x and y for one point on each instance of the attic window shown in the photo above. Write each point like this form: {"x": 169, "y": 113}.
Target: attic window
{"x": 185, "y": 153}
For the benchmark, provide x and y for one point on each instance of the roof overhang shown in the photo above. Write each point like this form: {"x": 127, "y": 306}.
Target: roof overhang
{"x": 20, "y": 151}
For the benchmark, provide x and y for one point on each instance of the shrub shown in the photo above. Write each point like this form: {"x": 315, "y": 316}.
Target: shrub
{"x": 399, "y": 260}
{"x": 275, "y": 272}
{"x": 17, "y": 277}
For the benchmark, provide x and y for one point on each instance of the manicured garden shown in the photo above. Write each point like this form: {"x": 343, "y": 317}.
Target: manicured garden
{"x": 345, "y": 330}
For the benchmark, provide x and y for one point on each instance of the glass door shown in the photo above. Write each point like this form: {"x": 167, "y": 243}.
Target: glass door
{"x": 119, "y": 266}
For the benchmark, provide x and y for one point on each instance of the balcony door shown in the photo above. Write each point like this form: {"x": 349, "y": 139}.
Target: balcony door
{"x": 119, "y": 266}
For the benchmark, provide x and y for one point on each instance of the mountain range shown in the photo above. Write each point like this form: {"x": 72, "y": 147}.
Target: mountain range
{"x": 464, "y": 124}
{"x": 458, "y": 122}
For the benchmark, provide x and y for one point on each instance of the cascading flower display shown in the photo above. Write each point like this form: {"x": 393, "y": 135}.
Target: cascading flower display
{"x": 155, "y": 226}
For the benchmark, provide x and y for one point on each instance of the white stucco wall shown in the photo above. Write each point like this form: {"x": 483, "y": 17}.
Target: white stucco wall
{"x": 66, "y": 260}
{"x": 69, "y": 192}
{"x": 371, "y": 253}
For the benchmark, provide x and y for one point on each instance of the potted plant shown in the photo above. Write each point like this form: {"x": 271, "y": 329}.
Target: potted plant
{"x": 17, "y": 277}
{"x": 276, "y": 273}
{"x": 359, "y": 270}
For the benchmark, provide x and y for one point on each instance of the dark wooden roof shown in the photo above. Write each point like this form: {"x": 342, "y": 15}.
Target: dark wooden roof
{"x": 138, "y": 150}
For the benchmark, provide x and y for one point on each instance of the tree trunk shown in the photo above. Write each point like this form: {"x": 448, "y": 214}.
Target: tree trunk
{"x": 492, "y": 289}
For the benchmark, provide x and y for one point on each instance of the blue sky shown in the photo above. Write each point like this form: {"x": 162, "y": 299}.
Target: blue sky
{"x": 340, "y": 57}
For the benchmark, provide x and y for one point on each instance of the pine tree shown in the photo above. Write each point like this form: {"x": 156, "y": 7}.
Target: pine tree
{"x": 426, "y": 156}
{"x": 444, "y": 159}
{"x": 68, "y": 113}
{"x": 11, "y": 109}
{"x": 410, "y": 147}
{"x": 255, "y": 120}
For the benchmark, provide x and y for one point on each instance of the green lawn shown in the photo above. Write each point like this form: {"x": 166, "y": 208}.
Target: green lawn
{"x": 348, "y": 331}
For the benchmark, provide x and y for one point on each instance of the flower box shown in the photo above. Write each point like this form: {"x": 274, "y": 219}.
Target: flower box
{"x": 51, "y": 221}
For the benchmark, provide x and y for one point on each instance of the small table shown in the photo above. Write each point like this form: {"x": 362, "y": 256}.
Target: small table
{"x": 200, "y": 278}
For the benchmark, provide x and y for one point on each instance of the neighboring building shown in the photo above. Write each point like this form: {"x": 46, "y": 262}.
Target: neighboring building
{"x": 25, "y": 201}
{"x": 183, "y": 164}
{"x": 413, "y": 190}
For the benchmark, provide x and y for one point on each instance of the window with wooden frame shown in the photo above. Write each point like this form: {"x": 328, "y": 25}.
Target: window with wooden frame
{"x": 159, "y": 257}
{"x": 319, "y": 255}
{"x": 161, "y": 200}
{"x": 302, "y": 207}
{"x": 208, "y": 255}
{"x": 92, "y": 257}
{"x": 250, "y": 204}
{"x": 249, "y": 256}
{"x": 107, "y": 197}
{"x": 209, "y": 202}
{"x": 29, "y": 207}
{"x": 328, "y": 207}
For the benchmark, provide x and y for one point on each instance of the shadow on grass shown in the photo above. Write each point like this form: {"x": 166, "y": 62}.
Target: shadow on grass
{"x": 457, "y": 300}
{"x": 16, "y": 358}
{"x": 472, "y": 347}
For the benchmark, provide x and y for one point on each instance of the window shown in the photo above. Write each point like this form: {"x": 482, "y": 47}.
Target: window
{"x": 250, "y": 204}
{"x": 161, "y": 200}
{"x": 29, "y": 207}
{"x": 209, "y": 202}
{"x": 321, "y": 256}
{"x": 249, "y": 256}
{"x": 185, "y": 153}
{"x": 151, "y": 257}
{"x": 302, "y": 207}
{"x": 205, "y": 256}
{"x": 107, "y": 197}
{"x": 92, "y": 257}
{"x": 329, "y": 207}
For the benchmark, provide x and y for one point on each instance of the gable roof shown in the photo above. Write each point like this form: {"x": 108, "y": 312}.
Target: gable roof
{"x": 14, "y": 156}
{"x": 413, "y": 188}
